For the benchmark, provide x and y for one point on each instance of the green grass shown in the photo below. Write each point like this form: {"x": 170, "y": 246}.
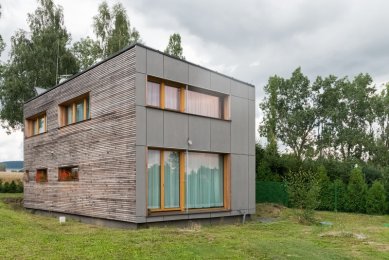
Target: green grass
{"x": 27, "y": 236}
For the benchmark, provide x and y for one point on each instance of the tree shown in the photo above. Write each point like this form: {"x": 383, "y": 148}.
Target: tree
{"x": 376, "y": 199}
{"x": 296, "y": 114}
{"x": 326, "y": 191}
{"x": 174, "y": 47}
{"x": 37, "y": 58}
{"x": 87, "y": 51}
{"x": 356, "y": 192}
{"x": 304, "y": 191}
{"x": 113, "y": 29}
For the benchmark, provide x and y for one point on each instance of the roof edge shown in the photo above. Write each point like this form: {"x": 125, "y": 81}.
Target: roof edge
{"x": 124, "y": 50}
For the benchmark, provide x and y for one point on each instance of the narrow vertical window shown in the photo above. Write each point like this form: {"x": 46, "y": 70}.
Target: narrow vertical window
{"x": 154, "y": 181}
{"x": 172, "y": 98}
{"x": 171, "y": 179}
{"x": 80, "y": 111}
{"x": 153, "y": 94}
{"x": 41, "y": 125}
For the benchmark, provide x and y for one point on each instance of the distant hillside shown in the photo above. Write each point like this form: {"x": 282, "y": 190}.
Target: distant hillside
{"x": 13, "y": 164}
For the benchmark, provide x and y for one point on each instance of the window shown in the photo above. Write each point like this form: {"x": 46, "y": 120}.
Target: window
{"x": 170, "y": 187}
{"x": 41, "y": 175}
{"x": 153, "y": 94}
{"x": 68, "y": 173}
{"x": 36, "y": 125}
{"x": 163, "y": 179}
{"x": 175, "y": 96}
{"x": 204, "y": 104}
{"x": 74, "y": 111}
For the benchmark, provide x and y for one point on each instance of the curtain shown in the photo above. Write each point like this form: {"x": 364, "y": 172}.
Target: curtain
{"x": 172, "y": 179}
{"x": 69, "y": 115}
{"x": 153, "y": 94}
{"x": 41, "y": 126}
{"x": 80, "y": 111}
{"x": 204, "y": 180}
{"x": 154, "y": 184}
{"x": 203, "y": 104}
{"x": 172, "y": 98}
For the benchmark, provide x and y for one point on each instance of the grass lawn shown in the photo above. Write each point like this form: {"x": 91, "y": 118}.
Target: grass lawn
{"x": 23, "y": 235}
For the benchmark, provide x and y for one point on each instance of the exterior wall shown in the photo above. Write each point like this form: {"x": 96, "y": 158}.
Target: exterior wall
{"x": 167, "y": 129}
{"x": 103, "y": 147}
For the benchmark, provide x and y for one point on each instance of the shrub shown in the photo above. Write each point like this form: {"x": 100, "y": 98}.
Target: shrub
{"x": 339, "y": 189}
{"x": 356, "y": 192}
{"x": 376, "y": 199}
{"x": 326, "y": 190}
{"x": 12, "y": 187}
{"x": 304, "y": 191}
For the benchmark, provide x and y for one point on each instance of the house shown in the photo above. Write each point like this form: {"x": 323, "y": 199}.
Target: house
{"x": 139, "y": 138}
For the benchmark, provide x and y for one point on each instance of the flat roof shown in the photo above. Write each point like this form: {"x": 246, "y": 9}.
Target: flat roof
{"x": 124, "y": 50}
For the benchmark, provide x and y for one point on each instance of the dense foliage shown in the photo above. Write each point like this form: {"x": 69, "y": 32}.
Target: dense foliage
{"x": 11, "y": 187}
{"x": 174, "y": 47}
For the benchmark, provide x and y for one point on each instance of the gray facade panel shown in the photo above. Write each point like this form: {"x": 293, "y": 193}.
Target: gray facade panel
{"x": 154, "y": 127}
{"x": 140, "y": 125}
{"x": 239, "y": 182}
{"x": 239, "y": 125}
{"x": 220, "y": 136}
{"x": 199, "y": 77}
{"x": 154, "y": 64}
{"x": 140, "y": 88}
{"x": 141, "y": 181}
{"x": 175, "y": 70}
{"x": 239, "y": 89}
{"x": 140, "y": 62}
{"x": 251, "y": 182}
{"x": 220, "y": 83}
{"x": 251, "y": 127}
{"x": 175, "y": 130}
{"x": 200, "y": 133}
{"x": 252, "y": 93}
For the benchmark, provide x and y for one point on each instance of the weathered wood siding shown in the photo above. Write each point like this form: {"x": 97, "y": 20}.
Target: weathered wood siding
{"x": 103, "y": 147}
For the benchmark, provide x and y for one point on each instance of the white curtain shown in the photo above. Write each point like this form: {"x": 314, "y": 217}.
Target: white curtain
{"x": 203, "y": 104}
{"x": 153, "y": 94}
{"x": 172, "y": 98}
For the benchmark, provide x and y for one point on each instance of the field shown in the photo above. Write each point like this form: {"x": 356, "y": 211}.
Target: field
{"x": 27, "y": 236}
{"x": 11, "y": 176}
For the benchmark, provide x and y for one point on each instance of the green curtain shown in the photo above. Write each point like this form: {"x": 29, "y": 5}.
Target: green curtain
{"x": 172, "y": 179}
{"x": 154, "y": 183}
{"x": 204, "y": 180}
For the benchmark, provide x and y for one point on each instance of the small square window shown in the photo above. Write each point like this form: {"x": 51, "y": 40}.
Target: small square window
{"x": 68, "y": 173}
{"x": 41, "y": 175}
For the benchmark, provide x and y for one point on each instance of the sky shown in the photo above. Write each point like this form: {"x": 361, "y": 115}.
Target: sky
{"x": 250, "y": 40}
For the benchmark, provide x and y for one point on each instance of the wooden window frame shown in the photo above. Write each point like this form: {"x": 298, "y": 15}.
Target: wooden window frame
{"x": 40, "y": 171}
{"x": 30, "y": 124}
{"x": 62, "y": 115}
{"x": 182, "y": 188}
{"x": 63, "y": 168}
{"x": 224, "y": 99}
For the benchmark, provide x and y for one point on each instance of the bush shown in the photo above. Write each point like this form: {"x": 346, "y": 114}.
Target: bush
{"x": 326, "y": 190}
{"x": 340, "y": 195}
{"x": 356, "y": 192}
{"x": 376, "y": 199}
{"x": 304, "y": 191}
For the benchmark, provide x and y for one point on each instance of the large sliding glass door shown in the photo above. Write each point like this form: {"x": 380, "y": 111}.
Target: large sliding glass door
{"x": 172, "y": 186}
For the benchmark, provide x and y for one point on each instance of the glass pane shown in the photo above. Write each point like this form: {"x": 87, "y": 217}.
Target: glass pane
{"x": 69, "y": 115}
{"x": 172, "y": 98}
{"x": 172, "y": 179}
{"x": 80, "y": 111}
{"x": 87, "y": 108}
{"x": 203, "y": 104}
{"x": 34, "y": 128}
{"x": 153, "y": 94}
{"x": 154, "y": 183}
{"x": 204, "y": 180}
{"x": 41, "y": 126}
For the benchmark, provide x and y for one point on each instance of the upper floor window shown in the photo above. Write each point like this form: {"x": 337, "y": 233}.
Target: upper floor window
{"x": 75, "y": 110}
{"x": 36, "y": 125}
{"x": 175, "y": 96}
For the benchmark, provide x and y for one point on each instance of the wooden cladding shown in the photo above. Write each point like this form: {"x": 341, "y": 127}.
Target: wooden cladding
{"x": 36, "y": 125}
{"x": 74, "y": 111}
